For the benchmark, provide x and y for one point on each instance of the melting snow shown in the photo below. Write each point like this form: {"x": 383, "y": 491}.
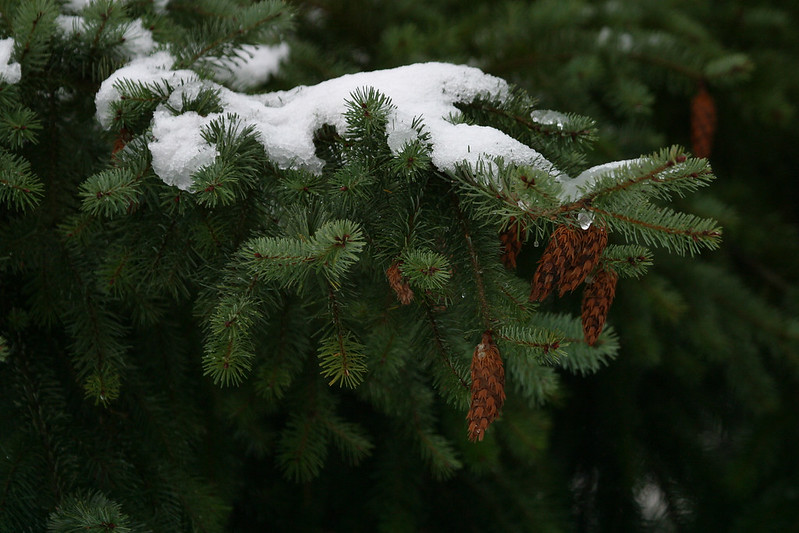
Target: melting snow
{"x": 549, "y": 117}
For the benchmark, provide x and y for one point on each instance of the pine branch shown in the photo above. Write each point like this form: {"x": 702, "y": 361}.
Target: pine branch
{"x": 545, "y": 344}
{"x": 630, "y": 261}
{"x": 286, "y": 344}
{"x": 477, "y": 271}
{"x": 425, "y": 270}
{"x": 534, "y": 381}
{"x": 19, "y": 187}
{"x": 231, "y": 33}
{"x": 441, "y": 348}
{"x": 437, "y": 451}
{"x": 94, "y": 512}
{"x": 302, "y": 449}
{"x": 659, "y": 175}
{"x": 133, "y": 109}
{"x": 34, "y": 25}
{"x": 112, "y": 192}
{"x": 580, "y": 129}
{"x": 19, "y": 126}
{"x": 340, "y": 355}
{"x": 660, "y": 226}
{"x": 228, "y": 349}
{"x": 349, "y": 438}
{"x": 578, "y": 356}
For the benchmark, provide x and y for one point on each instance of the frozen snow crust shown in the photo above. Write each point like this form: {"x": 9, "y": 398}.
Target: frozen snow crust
{"x": 287, "y": 120}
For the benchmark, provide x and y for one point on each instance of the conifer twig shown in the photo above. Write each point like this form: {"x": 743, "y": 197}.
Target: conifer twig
{"x": 476, "y": 270}
{"x": 440, "y": 345}
{"x": 228, "y": 37}
{"x": 525, "y": 121}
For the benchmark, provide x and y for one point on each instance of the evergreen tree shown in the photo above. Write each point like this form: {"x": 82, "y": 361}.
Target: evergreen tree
{"x": 695, "y": 413}
{"x": 229, "y": 303}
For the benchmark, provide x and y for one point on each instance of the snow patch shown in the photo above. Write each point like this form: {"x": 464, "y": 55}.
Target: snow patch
{"x": 151, "y": 69}
{"x": 178, "y": 148}
{"x": 9, "y": 72}
{"x": 573, "y": 188}
{"x": 138, "y": 39}
{"x": 77, "y": 5}
{"x": 160, "y": 6}
{"x": 286, "y": 120}
{"x": 70, "y": 24}
{"x": 254, "y": 66}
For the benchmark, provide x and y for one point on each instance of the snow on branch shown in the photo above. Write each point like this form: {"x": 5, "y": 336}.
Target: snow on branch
{"x": 286, "y": 120}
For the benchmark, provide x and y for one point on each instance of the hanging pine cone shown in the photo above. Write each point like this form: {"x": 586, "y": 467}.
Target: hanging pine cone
{"x": 597, "y": 297}
{"x": 591, "y": 243}
{"x": 400, "y": 285}
{"x": 558, "y": 257}
{"x": 488, "y": 387}
{"x": 511, "y": 243}
{"x": 703, "y": 122}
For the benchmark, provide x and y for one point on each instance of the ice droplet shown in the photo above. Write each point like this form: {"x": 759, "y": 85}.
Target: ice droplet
{"x": 585, "y": 220}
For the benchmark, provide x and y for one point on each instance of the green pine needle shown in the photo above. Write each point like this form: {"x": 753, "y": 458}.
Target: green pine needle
{"x": 342, "y": 360}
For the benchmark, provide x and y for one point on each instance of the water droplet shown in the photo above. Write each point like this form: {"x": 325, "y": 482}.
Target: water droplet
{"x": 585, "y": 220}
{"x": 463, "y": 295}
{"x": 536, "y": 244}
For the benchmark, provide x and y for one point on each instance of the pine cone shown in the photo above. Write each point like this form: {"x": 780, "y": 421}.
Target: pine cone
{"x": 597, "y": 297}
{"x": 591, "y": 243}
{"x": 488, "y": 387}
{"x": 558, "y": 256}
{"x": 400, "y": 285}
{"x": 511, "y": 244}
{"x": 703, "y": 122}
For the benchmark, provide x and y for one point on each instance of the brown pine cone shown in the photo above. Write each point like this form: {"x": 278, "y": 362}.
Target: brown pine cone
{"x": 703, "y": 122}
{"x": 488, "y": 387}
{"x": 558, "y": 257}
{"x": 597, "y": 297}
{"x": 592, "y": 242}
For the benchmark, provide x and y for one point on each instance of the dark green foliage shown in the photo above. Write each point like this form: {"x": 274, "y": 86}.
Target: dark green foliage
{"x": 231, "y": 355}
{"x": 94, "y": 513}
